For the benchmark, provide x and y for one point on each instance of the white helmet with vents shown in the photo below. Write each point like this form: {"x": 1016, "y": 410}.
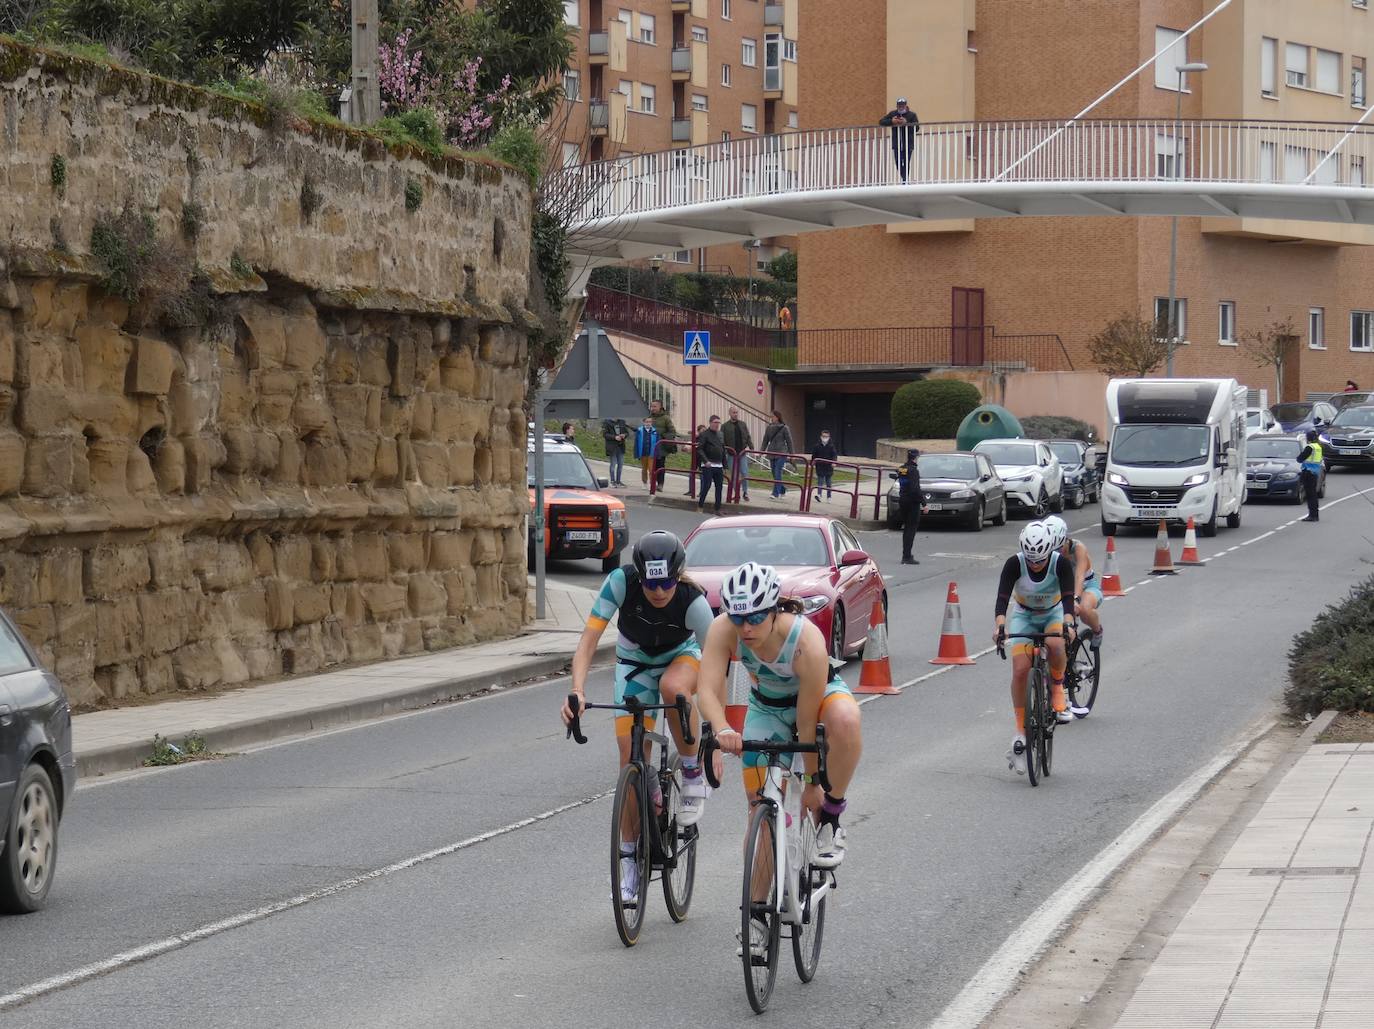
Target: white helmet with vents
{"x": 1037, "y": 542}
{"x": 749, "y": 588}
{"x": 1059, "y": 529}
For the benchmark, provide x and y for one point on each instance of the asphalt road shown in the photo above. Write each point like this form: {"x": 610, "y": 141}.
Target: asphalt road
{"x": 949, "y": 851}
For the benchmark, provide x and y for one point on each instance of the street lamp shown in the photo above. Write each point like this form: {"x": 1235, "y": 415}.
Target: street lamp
{"x": 1169, "y": 313}
{"x": 751, "y": 248}
{"x": 655, "y": 263}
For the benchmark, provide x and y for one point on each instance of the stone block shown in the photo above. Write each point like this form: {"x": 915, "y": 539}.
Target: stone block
{"x": 341, "y": 365}
{"x": 240, "y": 450}
{"x": 11, "y": 462}
{"x": 360, "y": 451}
{"x": 291, "y": 462}
{"x": 43, "y": 410}
{"x": 293, "y": 557}
{"x": 279, "y": 600}
{"x": 406, "y": 551}
{"x": 233, "y": 668}
{"x": 432, "y": 464}
{"x": 449, "y": 551}
{"x": 486, "y": 547}
{"x": 38, "y": 363}
{"x": 488, "y": 584}
{"x": 156, "y": 674}
{"x": 365, "y": 643}
{"x": 197, "y": 666}
{"x": 369, "y": 553}
{"x": 110, "y": 572}
{"x": 168, "y": 563}
{"x": 457, "y": 591}
{"x": 261, "y": 554}
{"x": 169, "y": 467}
{"x": 118, "y": 631}
{"x": 278, "y": 382}
{"x": 326, "y": 464}
{"x": 385, "y": 601}
{"x": 60, "y": 576}
{"x": 154, "y": 362}
{"x": 220, "y": 564}
{"x": 426, "y": 596}
{"x": 265, "y": 341}
{"x": 76, "y": 624}
{"x": 107, "y": 463}
{"x": 244, "y": 611}
{"x": 305, "y": 343}
{"x": 346, "y": 603}
{"x": 165, "y": 621}
{"x": 324, "y": 559}
{"x": 387, "y": 469}
{"x": 311, "y": 416}
{"x": 373, "y": 368}
{"x": 18, "y": 573}
{"x": 236, "y": 398}
{"x": 412, "y": 637}
{"x": 462, "y": 462}
{"x": 105, "y": 353}
{"x": 263, "y": 659}
{"x": 275, "y": 409}
{"x": 346, "y": 568}
{"x": 119, "y": 682}
{"x": 458, "y": 372}
{"x": 310, "y": 604}
{"x": 400, "y": 356}
{"x": 138, "y": 474}
{"x": 38, "y": 624}
{"x": 7, "y": 346}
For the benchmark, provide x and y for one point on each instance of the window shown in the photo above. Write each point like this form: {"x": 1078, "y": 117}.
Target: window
{"x": 572, "y": 155}
{"x": 698, "y": 102}
{"x": 792, "y": 121}
{"x": 1362, "y": 330}
{"x": 1295, "y": 64}
{"x": 647, "y": 97}
{"x": 725, "y": 9}
{"x": 748, "y": 117}
{"x": 699, "y": 33}
{"x": 789, "y": 50}
{"x": 748, "y": 52}
{"x": 627, "y": 88}
{"x": 1328, "y": 171}
{"x": 570, "y": 12}
{"x": 725, "y": 135}
{"x": 572, "y": 84}
{"x": 1180, "y": 315}
{"x": 624, "y": 15}
{"x": 1268, "y": 161}
{"x": 1226, "y": 323}
{"x": 13, "y": 658}
{"x": 1170, "y": 154}
{"x": 646, "y": 29}
{"x": 1269, "y": 60}
{"x": 1357, "y": 171}
{"x": 725, "y": 75}
{"x": 1357, "y": 70}
{"x": 1316, "y": 328}
{"x": 1328, "y": 71}
{"x": 1174, "y": 52}
{"x": 772, "y": 49}
{"x": 681, "y": 257}
{"x": 1294, "y": 164}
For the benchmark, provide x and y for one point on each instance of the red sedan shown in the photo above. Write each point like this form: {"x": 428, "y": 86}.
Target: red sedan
{"x": 819, "y": 560}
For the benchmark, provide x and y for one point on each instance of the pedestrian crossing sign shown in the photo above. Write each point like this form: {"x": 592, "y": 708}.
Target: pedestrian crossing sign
{"x": 696, "y": 347}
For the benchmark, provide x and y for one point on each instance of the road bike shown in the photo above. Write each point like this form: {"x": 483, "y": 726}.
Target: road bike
{"x": 1040, "y": 720}
{"x": 660, "y": 844}
{"x": 781, "y": 884}
{"x": 1083, "y": 673}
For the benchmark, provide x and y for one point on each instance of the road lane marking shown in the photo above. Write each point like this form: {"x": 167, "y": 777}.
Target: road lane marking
{"x": 157, "y": 948}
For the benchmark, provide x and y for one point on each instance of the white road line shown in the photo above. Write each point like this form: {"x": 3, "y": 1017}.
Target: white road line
{"x": 151, "y": 950}
{"x": 998, "y": 976}
{"x": 1256, "y": 539}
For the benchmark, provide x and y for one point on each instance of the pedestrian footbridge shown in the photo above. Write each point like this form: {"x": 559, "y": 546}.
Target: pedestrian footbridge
{"x": 740, "y": 189}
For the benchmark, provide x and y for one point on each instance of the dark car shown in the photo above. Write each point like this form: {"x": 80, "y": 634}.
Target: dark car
{"x": 1301, "y": 415}
{"x": 37, "y": 772}
{"x": 1082, "y": 483}
{"x": 1354, "y": 398}
{"x": 1349, "y": 439}
{"x": 960, "y": 487}
{"x": 1272, "y": 469}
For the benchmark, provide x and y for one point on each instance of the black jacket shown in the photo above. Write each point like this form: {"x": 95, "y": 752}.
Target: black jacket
{"x": 902, "y": 134}
{"x": 612, "y": 427}
{"x": 710, "y": 447}
{"x": 735, "y": 433}
{"x": 909, "y": 483}
{"x": 824, "y": 455}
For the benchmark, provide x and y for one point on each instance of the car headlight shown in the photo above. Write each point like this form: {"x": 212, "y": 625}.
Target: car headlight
{"x": 962, "y": 494}
{"x": 1117, "y": 479}
{"x": 1324, "y": 439}
{"x": 810, "y": 605}
{"x": 1195, "y": 480}
{"x": 617, "y": 519}
{"x": 1072, "y": 476}
{"x": 1286, "y": 476}
{"x": 1020, "y": 478}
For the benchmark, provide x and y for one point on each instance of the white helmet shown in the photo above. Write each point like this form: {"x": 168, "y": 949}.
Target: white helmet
{"x": 1059, "y": 529}
{"x": 1037, "y": 541}
{"x": 749, "y": 588}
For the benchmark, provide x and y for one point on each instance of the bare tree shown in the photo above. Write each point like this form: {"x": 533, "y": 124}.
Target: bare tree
{"x": 22, "y": 15}
{"x": 1271, "y": 347}
{"x": 1130, "y": 346}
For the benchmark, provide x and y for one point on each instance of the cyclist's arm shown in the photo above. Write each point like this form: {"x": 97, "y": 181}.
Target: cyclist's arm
{"x": 699, "y": 618}
{"x": 1011, "y": 571}
{"x": 812, "y": 665}
{"x": 716, "y": 652}
{"x": 1066, "y": 577}
{"x": 604, "y": 608}
{"x": 1081, "y": 563}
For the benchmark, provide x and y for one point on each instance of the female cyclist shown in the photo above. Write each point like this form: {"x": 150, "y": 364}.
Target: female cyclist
{"x": 1087, "y": 588}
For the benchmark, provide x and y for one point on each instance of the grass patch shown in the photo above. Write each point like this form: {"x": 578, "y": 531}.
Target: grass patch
{"x": 192, "y": 748}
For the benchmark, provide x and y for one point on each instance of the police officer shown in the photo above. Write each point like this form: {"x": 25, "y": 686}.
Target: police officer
{"x": 1311, "y": 459}
{"x": 910, "y": 500}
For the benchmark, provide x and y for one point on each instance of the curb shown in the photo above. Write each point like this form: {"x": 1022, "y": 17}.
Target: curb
{"x": 687, "y": 504}
{"x": 247, "y": 732}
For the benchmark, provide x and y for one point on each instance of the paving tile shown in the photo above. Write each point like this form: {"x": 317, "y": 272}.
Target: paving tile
{"x": 1266, "y": 843}
{"x": 1334, "y": 842}
{"x": 1315, "y": 903}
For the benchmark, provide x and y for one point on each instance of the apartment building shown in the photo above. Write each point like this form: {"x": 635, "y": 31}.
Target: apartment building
{"x": 654, "y": 75}
{"x": 993, "y": 60}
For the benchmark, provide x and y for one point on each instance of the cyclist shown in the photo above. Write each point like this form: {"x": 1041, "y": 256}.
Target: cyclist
{"x": 664, "y": 618}
{"x": 1087, "y": 593}
{"x": 1040, "y": 584}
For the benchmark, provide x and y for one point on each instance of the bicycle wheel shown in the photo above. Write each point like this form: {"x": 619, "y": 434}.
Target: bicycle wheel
{"x": 629, "y": 918}
{"x": 1085, "y": 672}
{"x": 806, "y": 937}
{"x": 1035, "y": 692}
{"x": 1048, "y": 723}
{"x": 679, "y": 847}
{"x": 762, "y": 969}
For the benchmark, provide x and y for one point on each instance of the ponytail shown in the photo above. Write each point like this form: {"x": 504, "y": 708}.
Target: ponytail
{"x": 790, "y": 606}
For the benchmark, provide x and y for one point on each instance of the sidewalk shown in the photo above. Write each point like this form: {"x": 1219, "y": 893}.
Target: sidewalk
{"x": 1282, "y": 935}
{"x": 119, "y": 739}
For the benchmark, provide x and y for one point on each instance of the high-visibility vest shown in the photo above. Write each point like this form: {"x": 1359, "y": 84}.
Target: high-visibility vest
{"x": 1313, "y": 463}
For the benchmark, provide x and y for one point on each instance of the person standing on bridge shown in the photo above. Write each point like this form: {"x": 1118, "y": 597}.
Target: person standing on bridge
{"x": 904, "y": 124}
{"x": 737, "y": 440}
{"x": 1311, "y": 461}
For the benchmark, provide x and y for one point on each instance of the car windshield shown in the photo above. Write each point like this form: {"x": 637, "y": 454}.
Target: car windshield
{"x": 947, "y": 466}
{"x": 565, "y": 469}
{"x": 1291, "y": 412}
{"x": 730, "y": 545}
{"x": 1068, "y": 453}
{"x": 1008, "y": 453}
{"x": 1351, "y": 399}
{"x": 1354, "y": 417}
{"x": 1159, "y": 445}
{"x": 1253, "y": 419}
{"x": 1282, "y": 448}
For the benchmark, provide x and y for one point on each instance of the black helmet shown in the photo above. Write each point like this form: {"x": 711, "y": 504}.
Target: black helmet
{"x": 1312, "y": 435}
{"x": 659, "y": 555}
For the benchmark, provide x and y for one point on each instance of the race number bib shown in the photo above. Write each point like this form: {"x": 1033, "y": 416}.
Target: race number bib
{"x": 655, "y": 569}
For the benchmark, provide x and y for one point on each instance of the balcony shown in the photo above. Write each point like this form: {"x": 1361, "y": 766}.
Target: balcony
{"x": 682, "y": 63}
{"x": 689, "y": 63}
{"x": 773, "y": 15}
{"x": 696, "y": 8}
{"x": 691, "y": 129}
{"x": 780, "y": 83}
{"x": 608, "y": 48}
{"x": 781, "y": 14}
{"x": 606, "y": 118}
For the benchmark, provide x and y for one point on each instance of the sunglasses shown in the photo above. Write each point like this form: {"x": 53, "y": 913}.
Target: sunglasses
{"x": 659, "y": 584}
{"x": 757, "y": 618}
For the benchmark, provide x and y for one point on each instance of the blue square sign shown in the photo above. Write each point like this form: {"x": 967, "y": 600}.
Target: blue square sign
{"x": 696, "y": 347}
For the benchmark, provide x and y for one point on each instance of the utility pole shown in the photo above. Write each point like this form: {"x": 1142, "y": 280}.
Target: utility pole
{"x": 366, "y": 98}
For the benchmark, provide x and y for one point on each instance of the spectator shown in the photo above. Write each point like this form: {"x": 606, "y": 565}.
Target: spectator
{"x": 646, "y": 447}
{"x": 666, "y": 432}
{"x": 737, "y": 440}
{"x": 1350, "y": 386}
{"x": 569, "y": 431}
{"x": 777, "y": 442}
{"x": 696, "y": 461}
{"x": 710, "y": 451}
{"x": 904, "y": 124}
{"x": 909, "y": 497}
{"x": 614, "y": 432}
{"x": 823, "y": 457}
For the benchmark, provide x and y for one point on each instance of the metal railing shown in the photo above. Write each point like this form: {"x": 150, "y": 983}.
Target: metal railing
{"x": 933, "y": 345}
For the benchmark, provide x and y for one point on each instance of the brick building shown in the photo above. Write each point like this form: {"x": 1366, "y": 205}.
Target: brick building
{"x": 995, "y": 60}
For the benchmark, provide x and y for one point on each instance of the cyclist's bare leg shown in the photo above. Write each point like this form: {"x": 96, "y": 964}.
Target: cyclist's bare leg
{"x": 680, "y": 680}
{"x": 844, "y": 740}
{"x": 1020, "y": 672}
{"x": 1057, "y": 647}
{"x": 629, "y": 819}
{"x": 1087, "y": 611}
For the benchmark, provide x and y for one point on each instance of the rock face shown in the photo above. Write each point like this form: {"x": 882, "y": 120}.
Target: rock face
{"x": 325, "y": 464}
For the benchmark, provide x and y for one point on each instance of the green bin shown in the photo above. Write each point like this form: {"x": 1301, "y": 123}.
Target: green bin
{"x": 987, "y": 422}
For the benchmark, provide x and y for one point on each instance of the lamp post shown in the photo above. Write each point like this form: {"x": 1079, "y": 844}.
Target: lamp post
{"x": 751, "y": 248}
{"x": 655, "y": 263}
{"x": 1170, "y": 314}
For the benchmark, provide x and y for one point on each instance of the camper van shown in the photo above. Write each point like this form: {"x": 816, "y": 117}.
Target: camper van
{"x": 1176, "y": 451}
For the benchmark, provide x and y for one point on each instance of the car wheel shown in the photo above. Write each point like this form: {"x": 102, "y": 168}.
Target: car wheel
{"x": 1000, "y": 518}
{"x": 1321, "y": 489}
{"x": 976, "y": 524}
{"x": 893, "y": 523}
{"x": 1301, "y": 497}
{"x": 837, "y": 633}
{"x": 1057, "y": 503}
{"x": 1233, "y": 520}
{"x": 1042, "y": 504}
{"x": 1209, "y": 527}
{"x": 30, "y": 855}
{"x": 1108, "y": 528}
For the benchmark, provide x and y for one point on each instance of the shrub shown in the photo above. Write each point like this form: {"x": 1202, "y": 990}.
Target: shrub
{"x": 932, "y": 408}
{"x": 415, "y": 195}
{"x": 1331, "y": 665}
{"x": 1056, "y": 426}
{"x": 518, "y": 146}
{"x": 418, "y": 128}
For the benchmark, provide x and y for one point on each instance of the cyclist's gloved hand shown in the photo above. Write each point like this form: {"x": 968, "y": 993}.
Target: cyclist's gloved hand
{"x": 730, "y": 741}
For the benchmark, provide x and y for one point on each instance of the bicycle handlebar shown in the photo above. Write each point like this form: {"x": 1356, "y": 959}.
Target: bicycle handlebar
{"x": 821, "y": 748}
{"x": 576, "y": 705}
{"x": 1034, "y": 637}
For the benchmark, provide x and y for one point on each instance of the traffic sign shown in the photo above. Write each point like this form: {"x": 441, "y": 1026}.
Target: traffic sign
{"x": 696, "y": 347}
{"x": 758, "y": 387}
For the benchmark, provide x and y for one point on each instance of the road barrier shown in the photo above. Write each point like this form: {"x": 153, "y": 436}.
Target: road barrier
{"x": 1164, "y": 558}
{"x": 876, "y": 674}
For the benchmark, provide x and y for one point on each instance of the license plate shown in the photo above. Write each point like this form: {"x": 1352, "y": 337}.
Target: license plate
{"x": 1259, "y": 485}
{"x": 1153, "y": 512}
{"x": 1348, "y": 450}
{"x": 583, "y": 536}
{"x": 935, "y": 507}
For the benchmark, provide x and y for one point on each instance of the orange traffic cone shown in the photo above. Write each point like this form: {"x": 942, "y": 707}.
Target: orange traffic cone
{"x": 876, "y": 674}
{"x": 738, "y": 685}
{"x": 953, "y": 649}
{"x": 1189, "y": 555}
{"x": 1164, "y": 558}
{"x": 1111, "y": 578}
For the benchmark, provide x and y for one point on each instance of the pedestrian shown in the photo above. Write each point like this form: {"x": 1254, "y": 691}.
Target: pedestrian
{"x": 1350, "y": 386}
{"x": 646, "y": 447}
{"x": 710, "y": 450}
{"x": 614, "y": 432}
{"x": 696, "y": 461}
{"x": 666, "y": 432}
{"x": 1311, "y": 461}
{"x": 735, "y": 433}
{"x": 569, "y": 432}
{"x": 904, "y": 124}
{"x": 777, "y": 443}
{"x": 823, "y": 457}
{"x": 909, "y": 498}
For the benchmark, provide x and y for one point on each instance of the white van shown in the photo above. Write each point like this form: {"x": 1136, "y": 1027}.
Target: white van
{"x": 1176, "y": 450}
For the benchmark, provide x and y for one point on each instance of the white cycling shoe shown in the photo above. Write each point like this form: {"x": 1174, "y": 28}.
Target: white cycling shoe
{"x": 1016, "y": 757}
{"x": 693, "y": 799}
{"x": 629, "y": 880}
{"x": 831, "y": 841}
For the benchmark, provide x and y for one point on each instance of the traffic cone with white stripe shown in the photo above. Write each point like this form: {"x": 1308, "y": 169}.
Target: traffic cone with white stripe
{"x": 738, "y": 685}
{"x": 1164, "y": 558}
{"x": 953, "y": 648}
{"x": 876, "y": 674}
{"x": 1111, "y": 578}
{"x": 1189, "y": 555}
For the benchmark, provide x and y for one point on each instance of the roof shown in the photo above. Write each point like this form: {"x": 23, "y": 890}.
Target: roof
{"x": 553, "y": 444}
{"x": 781, "y": 518}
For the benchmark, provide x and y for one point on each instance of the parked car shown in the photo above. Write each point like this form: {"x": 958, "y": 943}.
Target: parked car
{"x": 1082, "y": 482}
{"x": 1351, "y": 434}
{"x": 37, "y": 772}
{"x": 1272, "y": 469}
{"x": 1259, "y": 420}
{"x": 1030, "y": 472}
{"x": 960, "y": 487}
{"x": 819, "y": 560}
{"x": 1355, "y": 398}
{"x": 579, "y": 520}
{"x": 1301, "y": 415}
